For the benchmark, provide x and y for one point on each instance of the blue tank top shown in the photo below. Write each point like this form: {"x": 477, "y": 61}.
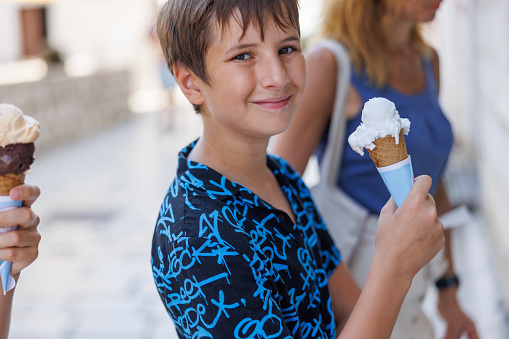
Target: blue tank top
{"x": 429, "y": 141}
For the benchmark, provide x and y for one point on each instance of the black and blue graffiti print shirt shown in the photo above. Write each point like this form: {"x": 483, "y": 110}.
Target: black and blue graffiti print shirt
{"x": 229, "y": 265}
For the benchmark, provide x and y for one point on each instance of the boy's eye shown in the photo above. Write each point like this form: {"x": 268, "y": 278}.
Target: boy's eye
{"x": 287, "y": 50}
{"x": 243, "y": 56}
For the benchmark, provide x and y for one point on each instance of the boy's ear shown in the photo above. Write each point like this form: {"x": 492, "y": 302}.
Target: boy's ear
{"x": 188, "y": 82}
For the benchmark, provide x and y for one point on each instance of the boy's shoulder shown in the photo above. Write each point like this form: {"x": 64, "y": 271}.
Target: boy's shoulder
{"x": 283, "y": 166}
{"x": 197, "y": 188}
{"x": 196, "y": 181}
{"x": 199, "y": 192}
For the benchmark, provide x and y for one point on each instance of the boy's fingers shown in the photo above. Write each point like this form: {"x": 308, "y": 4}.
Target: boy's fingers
{"x": 24, "y": 217}
{"x": 27, "y": 193}
{"x": 20, "y": 257}
{"x": 32, "y": 219}
{"x": 21, "y": 238}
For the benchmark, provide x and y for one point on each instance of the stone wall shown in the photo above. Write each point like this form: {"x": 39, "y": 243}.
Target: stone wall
{"x": 493, "y": 117}
{"x": 473, "y": 43}
{"x": 69, "y": 108}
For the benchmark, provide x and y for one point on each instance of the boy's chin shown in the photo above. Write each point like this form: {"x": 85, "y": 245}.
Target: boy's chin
{"x": 282, "y": 130}
{"x": 278, "y": 131}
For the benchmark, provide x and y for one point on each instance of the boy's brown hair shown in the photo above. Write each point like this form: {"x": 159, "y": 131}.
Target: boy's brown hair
{"x": 184, "y": 26}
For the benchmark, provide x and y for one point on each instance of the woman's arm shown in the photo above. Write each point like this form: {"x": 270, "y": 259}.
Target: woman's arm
{"x": 299, "y": 141}
{"x": 457, "y": 321}
{"x": 20, "y": 246}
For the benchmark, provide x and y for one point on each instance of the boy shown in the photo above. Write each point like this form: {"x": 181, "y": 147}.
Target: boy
{"x": 239, "y": 250}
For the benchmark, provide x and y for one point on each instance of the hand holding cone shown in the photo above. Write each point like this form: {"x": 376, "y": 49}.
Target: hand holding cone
{"x": 18, "y": 133}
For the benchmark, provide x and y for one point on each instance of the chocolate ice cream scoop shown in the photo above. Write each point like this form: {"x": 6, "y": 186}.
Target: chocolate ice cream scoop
{"x": 16, "y": 158}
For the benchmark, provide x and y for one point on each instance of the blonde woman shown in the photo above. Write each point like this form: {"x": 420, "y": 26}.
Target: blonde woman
{"x": 389, "y": 59}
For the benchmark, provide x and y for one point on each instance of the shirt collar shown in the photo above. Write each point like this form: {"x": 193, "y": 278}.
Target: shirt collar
{"x": 217, "y": 186}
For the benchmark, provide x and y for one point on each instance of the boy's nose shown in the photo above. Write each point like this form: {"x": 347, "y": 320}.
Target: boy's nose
{"x": 273, "y": 73}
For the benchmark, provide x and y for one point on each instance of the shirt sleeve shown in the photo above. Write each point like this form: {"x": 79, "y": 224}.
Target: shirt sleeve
{"x": 212, "y": 288}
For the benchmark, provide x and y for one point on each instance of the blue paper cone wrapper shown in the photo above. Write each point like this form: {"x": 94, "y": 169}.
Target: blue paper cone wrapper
{"x": 398, "y": 178}
{"x": 5, "y": 266}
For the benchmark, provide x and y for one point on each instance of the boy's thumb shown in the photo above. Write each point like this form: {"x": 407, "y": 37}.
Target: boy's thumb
{"x": 390, "y": 207}
{"x": 421, "y": 187}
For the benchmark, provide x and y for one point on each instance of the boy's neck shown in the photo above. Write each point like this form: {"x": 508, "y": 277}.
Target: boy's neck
{"x": 240, "y": 160}
{"x": 244, "y": 162}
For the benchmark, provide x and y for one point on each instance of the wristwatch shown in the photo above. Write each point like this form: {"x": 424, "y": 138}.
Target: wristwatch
{"x": 448, "y": 281}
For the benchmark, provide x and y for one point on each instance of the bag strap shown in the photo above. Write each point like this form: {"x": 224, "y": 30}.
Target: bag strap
{"x": 331, "y": 162}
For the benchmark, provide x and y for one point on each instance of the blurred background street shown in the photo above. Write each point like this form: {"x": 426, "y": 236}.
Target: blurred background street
{"x": 89, "y": 71}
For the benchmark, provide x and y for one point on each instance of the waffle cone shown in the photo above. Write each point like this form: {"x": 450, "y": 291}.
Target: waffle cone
{"x": 8, "y": 181}
{"x": 387, "y": 152}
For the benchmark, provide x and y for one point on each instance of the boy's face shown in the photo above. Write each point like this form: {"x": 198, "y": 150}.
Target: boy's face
{"x": 254, "y": 86}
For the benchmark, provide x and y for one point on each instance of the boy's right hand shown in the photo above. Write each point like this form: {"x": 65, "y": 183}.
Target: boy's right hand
{"x": 409, "y": 237}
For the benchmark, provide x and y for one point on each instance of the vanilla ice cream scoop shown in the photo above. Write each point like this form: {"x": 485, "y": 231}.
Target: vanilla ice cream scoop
{"x": 15, "y": 127}
{"x": 379, "y": 119}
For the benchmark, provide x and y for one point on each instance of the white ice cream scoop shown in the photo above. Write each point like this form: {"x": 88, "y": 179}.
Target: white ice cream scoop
{"x": 379, "y": 119}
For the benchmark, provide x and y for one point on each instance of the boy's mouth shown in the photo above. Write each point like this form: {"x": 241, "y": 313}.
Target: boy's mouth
{"x": 274, "y": 103}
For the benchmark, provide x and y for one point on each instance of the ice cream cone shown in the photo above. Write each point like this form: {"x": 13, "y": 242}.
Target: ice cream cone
{"x": 8, "y": 181}
{"x": 387, "y": 152}
{"x": 381, "y": 126}
{"x": 18, "y": 133}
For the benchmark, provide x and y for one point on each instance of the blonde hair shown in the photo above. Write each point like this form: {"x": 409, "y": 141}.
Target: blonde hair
{"x": 361, "y": 25}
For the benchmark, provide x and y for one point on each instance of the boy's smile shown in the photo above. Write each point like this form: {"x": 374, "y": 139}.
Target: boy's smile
{"x": 274, "y": 103}
{"x": 254, "y": 85}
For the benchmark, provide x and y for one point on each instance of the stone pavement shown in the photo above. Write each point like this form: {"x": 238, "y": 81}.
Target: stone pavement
{"x": 99, "y": 204}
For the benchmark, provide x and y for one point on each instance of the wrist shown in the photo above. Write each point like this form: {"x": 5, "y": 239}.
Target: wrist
{"x": 382, "y": 268}
{"x": 447, "y": 299}
{"x": 448, "y": 281}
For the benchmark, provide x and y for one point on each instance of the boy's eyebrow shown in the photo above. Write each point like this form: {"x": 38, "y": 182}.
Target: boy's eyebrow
{"x": 239, "y": 47}
{"x": 242, "y": 46}
{"x": 291, "y": 38}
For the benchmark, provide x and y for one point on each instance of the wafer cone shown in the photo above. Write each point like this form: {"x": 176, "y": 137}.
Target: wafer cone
{"x": 387, "y": 152}
{"x": 8, "y": 181}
